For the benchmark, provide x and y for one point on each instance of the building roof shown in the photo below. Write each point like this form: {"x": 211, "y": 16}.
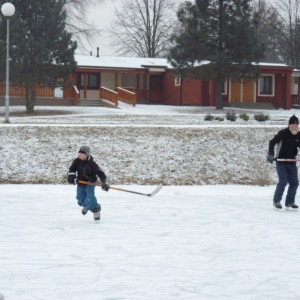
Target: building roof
{"x": 120, "y": 62}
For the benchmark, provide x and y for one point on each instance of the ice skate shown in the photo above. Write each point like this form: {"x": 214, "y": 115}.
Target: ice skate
{"x": 97, "y": 213}
{"x": 291, "y": 206}
{"x": 277, "y": 205}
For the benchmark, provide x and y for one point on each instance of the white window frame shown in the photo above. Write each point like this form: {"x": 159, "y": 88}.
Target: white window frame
{"x": 273, "y": 85}
{"x": 177, "y": 80}
{"x": 295, "y": 85}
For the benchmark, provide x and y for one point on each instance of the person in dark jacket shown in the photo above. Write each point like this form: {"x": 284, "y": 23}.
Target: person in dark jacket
{"x": 86, "y": 169}
{"x": 288, "y": 142}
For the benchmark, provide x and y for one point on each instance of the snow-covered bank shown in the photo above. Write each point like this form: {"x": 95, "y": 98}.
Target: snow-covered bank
{"x": 139, "y": 155}
{"x": 186, "y": 243}
{"x": 146, "y": 144}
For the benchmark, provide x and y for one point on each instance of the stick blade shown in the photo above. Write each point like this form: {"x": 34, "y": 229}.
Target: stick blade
{"x": 159, "y": 187}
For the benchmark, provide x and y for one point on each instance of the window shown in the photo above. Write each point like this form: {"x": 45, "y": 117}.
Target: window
{"x": 93, "y": 81}
{"x": 224, "y": 90}
{"x": 266, "y": 85}
{"x": 177, "y": 80}
{"x": 295, "y": 88}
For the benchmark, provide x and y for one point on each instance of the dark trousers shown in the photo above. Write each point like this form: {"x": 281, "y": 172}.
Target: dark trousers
{"x": 287, "y": 174}
{"x": 86, "y": 197}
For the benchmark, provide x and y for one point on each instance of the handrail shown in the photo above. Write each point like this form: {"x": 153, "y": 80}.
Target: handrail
{"x": 126, "y": 95}
{"x": 109, "y": 95}
{"x": 77, "y": 95}
{"x": 76, "y": 89}
{"x": 141, "y": 94}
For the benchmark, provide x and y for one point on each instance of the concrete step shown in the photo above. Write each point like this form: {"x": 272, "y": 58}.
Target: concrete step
{"x": 94, "y": 103}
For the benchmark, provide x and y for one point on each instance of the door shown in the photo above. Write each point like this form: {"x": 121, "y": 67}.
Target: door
{"x": 248, "y": 91}
{"x": 235, "y": 91}
{"x": 156, "y": 88}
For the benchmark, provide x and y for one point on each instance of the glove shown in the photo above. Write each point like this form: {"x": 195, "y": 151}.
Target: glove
{"x": 72, "y": 178}
{"x": 270, "y": 158}
{"x": 105, "y": 186}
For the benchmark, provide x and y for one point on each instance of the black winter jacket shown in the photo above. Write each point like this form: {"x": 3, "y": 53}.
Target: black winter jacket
{"x": 87, "y": 170}
{"x": 288, "y": 144}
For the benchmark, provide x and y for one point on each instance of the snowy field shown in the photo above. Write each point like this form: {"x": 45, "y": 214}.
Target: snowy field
{"x": 139, "y": 145}
{"x": 187, "y": 243}
{"x": 191, "y": 241}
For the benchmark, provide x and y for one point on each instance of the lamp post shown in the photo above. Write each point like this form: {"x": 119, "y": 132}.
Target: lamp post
{"x": 7, "y": 10}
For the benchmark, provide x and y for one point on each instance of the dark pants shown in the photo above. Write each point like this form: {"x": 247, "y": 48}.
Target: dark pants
{"x": 287, "y": 174}
{"x": 86, "y": 197}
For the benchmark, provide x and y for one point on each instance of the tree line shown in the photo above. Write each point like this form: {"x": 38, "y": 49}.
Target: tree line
{"x": 146, "y": 27}
{"x": 229, "y": 35}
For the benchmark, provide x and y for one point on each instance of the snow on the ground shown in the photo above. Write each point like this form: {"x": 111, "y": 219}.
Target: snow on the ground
{"x": 143, "y": 114}
{"x": 209, "y": 242}
{"x": 185, "y": 243}
{"x": 146, "y": 144}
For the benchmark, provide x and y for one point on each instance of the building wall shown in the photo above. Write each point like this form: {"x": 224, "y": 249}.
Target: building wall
{"x": 192, "y": 92}
{"x": 279, "y": 98}
{"x": 90, "y": 94}
{"x": 171, "y": 92}
{"x": 201, "y": 92}
{"x": 129, "y": 80}
{"x": 108, "y": 80}
{"x": 205, "y": 97}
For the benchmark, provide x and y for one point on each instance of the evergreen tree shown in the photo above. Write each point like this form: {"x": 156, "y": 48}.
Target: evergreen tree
{"x": 41, "y": 50}
{"x": 216, "y": 41}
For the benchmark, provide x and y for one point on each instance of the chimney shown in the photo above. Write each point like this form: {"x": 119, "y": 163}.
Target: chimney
{"x": 97, "y": 51}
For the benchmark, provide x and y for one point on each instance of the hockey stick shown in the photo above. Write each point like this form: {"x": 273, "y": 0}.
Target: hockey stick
{"x": 288, "y": 159}
{"x": 159, "y": 187}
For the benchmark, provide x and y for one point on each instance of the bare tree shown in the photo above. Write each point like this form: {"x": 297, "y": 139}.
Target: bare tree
{"x": 268, "y": 27}
{"x": 77, "y": 21}
{"x": 143, "y": 27}
{"x": 289, "y": 15}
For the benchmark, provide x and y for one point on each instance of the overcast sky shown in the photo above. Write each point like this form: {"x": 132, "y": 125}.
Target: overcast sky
{"x": 101, "y": 15}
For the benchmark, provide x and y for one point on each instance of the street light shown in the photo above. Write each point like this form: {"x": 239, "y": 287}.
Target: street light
{"x": 7, "y": 10}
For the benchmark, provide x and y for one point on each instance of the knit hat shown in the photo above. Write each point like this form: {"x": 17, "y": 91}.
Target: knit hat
{"x": 293, "y": 120}
{"x": 85, "y": 149}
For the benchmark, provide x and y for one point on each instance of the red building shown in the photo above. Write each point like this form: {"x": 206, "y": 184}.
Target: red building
{"x": 151, "y": 80}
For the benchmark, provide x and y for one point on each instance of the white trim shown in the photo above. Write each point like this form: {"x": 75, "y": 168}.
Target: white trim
{"x": 177, "y": 80}
{"x": 273, "y": 85}
{"x": 160, "y": 70}
{"x": 294, "y": 86}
